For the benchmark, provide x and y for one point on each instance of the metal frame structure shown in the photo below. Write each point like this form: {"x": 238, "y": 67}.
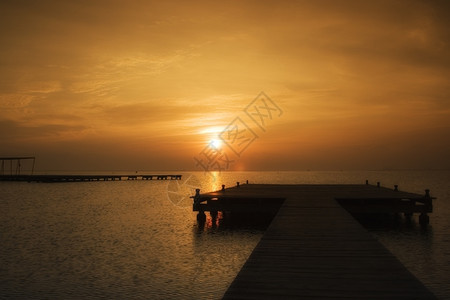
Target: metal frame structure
{"x": 16, "y": 170}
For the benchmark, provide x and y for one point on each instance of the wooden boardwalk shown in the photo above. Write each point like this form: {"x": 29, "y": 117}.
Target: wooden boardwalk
{"x": 84, "y": 178}
{"x": 315, "y": 249}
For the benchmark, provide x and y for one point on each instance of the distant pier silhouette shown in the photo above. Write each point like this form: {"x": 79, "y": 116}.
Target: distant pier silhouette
{"x": 84, "y": 178}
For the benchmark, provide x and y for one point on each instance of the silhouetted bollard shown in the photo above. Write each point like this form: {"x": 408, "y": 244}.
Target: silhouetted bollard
{"x": 197, "y": 196}
{"x": 237, "y": 184}
{"x": 427, "y": 193}
{"x": 378, "y": 184}
{"x": 396, "y": 187}
{"x": 223, "y": 187}
{"x": 247, "y": 181}
{"x": 367, "y": 182}
{"x": 201, "y": 217}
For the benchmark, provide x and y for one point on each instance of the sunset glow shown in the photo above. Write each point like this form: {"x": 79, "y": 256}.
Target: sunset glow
{"x": 216, "y": 143}
{"x": 147, "y": 85}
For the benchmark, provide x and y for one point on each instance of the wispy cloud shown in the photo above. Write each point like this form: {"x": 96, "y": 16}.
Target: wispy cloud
{"x": 157, "y": 73}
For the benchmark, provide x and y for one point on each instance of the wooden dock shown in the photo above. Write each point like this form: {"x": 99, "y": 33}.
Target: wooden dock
{"x": 85, "y": 178}
{"x": 315, "y": 249}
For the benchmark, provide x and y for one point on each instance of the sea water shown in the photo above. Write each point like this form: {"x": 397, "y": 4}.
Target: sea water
{"x": 140, "y": 239}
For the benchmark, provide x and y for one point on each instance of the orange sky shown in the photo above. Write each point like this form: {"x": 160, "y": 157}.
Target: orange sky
{"x": 139, "y": 85}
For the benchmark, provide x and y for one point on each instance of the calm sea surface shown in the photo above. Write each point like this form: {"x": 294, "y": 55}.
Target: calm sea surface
{"x": 140, "y": 239}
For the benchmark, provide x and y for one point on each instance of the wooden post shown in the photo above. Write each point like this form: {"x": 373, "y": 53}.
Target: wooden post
{"x": 424, "y": 219}
{"x": 223, "y": 187}
{"x": 201, "y": 217}
{"x": 32, "y": 168}
{"x": 408, "y": 216}
{"x": 428, "y": 201}
{"x": 196, "y": 205}
{"x": 367, "y": 182}
{"x": 18, "y": 167}
{"x": 396, "y": 187}
{"x": 237, "y": 184}
{"x": 378, "y": 184}
{"x": 197, "y": 196}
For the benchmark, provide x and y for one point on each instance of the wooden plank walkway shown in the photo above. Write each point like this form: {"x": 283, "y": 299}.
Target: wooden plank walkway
{"x": 314, "y": 249}
{"x": 84, "y": 178}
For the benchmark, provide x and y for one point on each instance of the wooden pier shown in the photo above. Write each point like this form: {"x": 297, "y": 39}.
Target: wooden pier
{"x": 85, "y": 178}
{"x": 314, "y": 248}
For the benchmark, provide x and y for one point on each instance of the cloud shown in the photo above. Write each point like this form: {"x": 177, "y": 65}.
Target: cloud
{"x": 18, "y": 131}
{"x": 107, "y": 75}
{"x": 40, "y": 87}
{"x": 14, "y": 101}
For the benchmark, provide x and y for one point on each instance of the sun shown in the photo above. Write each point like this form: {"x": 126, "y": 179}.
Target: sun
{"x": 215, "y": 143}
